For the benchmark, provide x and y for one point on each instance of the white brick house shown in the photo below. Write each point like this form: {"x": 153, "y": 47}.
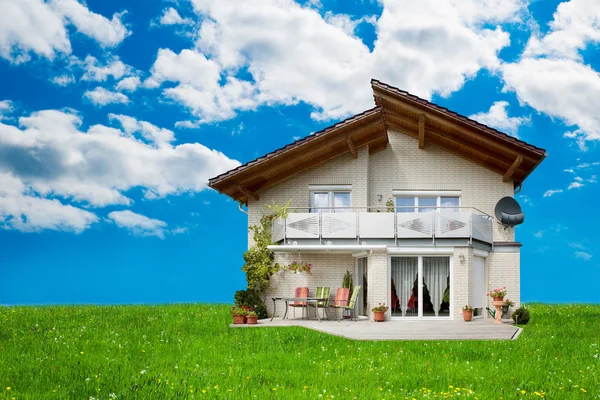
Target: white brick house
{"x": 435, "y": 248}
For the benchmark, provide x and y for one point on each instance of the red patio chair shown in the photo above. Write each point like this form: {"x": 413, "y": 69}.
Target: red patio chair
{"x": 300, "y": 292}
{"x": 341, "y": 299}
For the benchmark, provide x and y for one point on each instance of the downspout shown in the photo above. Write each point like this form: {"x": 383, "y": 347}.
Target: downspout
{"x": 240, "y": 204}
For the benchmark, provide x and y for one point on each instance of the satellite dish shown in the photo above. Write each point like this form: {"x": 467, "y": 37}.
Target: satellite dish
{"x": 508, "y": 212}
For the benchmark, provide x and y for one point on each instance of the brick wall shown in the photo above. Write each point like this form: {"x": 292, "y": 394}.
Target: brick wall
{"x": 378, "y": 282}
{"x": 327, "y": 270}
{"x": 504, "y": 269}
{"x": 403, "y": 166}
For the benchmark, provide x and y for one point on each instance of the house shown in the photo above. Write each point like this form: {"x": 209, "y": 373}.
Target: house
{"x": 402, "y": 195}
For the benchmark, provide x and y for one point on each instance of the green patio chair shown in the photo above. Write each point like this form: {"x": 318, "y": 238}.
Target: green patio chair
{"x": 349, "y": 305}
{"x": 322, "y": 292}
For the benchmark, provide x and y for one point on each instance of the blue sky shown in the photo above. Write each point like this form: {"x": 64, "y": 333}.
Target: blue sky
{"x": 114, "y": 114}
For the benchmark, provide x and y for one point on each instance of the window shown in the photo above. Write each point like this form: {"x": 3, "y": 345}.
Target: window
{"x": 427, "y": 201}
{"x": 330, "y": 199}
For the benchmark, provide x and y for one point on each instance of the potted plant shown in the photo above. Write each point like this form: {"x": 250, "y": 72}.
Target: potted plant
{"x": 251, "y": 318}
{"x": 467, "y": 313}
{"x": 498, "y": 293}
{"x": 299, "y": 266}
{"x": 507, "y": 304}
{"x": 239, "y": 315}
{"x": 379, "y": 312}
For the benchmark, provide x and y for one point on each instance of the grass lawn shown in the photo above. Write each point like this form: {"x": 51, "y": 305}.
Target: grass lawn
{"x": 188, "y": 351}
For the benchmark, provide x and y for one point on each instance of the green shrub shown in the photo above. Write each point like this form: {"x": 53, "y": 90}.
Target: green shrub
{"x": 249, "y": 298}
{"x": 521, "y": 316}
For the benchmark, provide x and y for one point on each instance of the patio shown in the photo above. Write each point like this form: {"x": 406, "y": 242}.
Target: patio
{"x": 363, "y": 329}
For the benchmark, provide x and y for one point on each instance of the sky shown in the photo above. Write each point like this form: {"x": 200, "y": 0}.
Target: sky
{"x": 114, "y": 115}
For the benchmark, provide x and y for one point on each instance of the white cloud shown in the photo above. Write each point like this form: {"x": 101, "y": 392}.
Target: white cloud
{"x": 107, "y": 33}
{"x": 552, "y": 192}
{"x": 26, "y": 212}
{"x": 6, "y": 107}
{"x": 552, "y": 77}
{"x": 96, "y": 72}
{"x": 330, "y": 67}
{"x": 51, "y": 156}
{"x": 130, "y": 84}
{"x": 583, "y": 255}
{"x": 576, "y": 24}
{"x": 150, "y": 132}
{"x": 102, "y": 97}
{"x": 171, "y": 17}
{"x": 138, "y": 224}
{"x": 539, "y": 234}
{"x": 498, "y": 118}
{"x": 31, "y": 26}
{"x": 63, "y": 80}
{"x": 575, "y": 185}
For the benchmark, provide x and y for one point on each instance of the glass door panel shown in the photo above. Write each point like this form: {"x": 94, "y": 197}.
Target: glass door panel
{"x": 320, "y": 202}
{"x": 361, "y": 280}
{"x": 436, "y": 287}
{"x": 341, "y": 199}
{"x": 450, "y": 204}
{"x": 404, "y": 286}
{"x": 405, "y": 204}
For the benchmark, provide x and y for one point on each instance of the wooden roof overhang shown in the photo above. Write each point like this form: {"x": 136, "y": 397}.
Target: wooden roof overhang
{"x": 510, "y": 157}
{"x": 243, "y": 182}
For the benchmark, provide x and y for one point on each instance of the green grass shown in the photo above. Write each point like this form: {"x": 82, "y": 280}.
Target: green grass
{"x": 188, "y": 351}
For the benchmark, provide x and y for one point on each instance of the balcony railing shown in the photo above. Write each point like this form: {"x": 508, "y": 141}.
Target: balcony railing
{"x": 371, "y": 223}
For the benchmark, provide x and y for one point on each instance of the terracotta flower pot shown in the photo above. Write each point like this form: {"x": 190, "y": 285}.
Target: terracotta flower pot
{"x": 252, "y": 320}
{"x": 467, "y": 315}
{"x": 239, "y": 319}
{"x": 499, "y": 298}
{"x": 379, "y": 316}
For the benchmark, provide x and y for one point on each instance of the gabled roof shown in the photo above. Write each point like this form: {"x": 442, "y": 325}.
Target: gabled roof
{"x": 397, "y": 110}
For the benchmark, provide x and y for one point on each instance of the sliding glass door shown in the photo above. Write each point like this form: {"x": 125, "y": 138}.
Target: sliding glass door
{"x": 420, "y": 287}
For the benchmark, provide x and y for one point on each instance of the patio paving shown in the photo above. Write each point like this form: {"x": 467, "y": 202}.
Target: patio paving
{"x": 363, "y": 329}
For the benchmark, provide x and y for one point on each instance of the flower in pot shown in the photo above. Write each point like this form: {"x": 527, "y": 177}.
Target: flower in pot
{"x": 251, "y": 318}
{"x": 467, "y": 313}
{"x": 507, "y": 304}
{"x": 300, "y": 267}
{"x": 379, "y": 312}
{"x": 239, "y": 315}
{"x": 498, "y": 293}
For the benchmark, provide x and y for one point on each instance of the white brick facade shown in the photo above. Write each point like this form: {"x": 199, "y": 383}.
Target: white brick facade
{"x": 401, "y": 166}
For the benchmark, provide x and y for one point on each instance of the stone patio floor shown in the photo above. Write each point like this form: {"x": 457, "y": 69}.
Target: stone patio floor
{"x": 363, "y": 329}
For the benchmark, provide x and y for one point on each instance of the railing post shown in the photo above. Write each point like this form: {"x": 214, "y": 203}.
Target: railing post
{"x": 470, "y": 227}
{"x": 284, "y": 230}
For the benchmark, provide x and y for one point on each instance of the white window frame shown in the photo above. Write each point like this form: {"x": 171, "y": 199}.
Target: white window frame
{"x": 437, "y": 194}
{"x": 330, "y": 190}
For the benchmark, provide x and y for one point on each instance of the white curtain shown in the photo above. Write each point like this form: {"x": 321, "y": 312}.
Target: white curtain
{"x": 404, "y": 273}
{"x": 436, "y": 271}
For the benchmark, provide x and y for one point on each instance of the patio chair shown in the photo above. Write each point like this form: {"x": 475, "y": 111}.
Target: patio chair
{"x": 300, "y": 292}
{"x": 342, "y": 303}
{"x": 322, "y": 292}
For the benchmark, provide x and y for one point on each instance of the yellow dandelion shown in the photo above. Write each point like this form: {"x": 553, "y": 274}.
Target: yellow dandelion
{"x": 203, "y": 390}
{"x": 583, "y": 390}
{"x": 81, "y": 352}
{"x": 8, "y": 388}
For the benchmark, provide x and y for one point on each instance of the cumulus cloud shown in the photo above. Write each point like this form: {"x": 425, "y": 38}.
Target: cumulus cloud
{"x": 102, "y": 97}
{"x": 129, "y": 84}
{"x": 552, "y": 77}
{"x": 170, "y": 16}
{"x": 107, "y": 32}
{"x": 95, "y": 71}
{"x": 6, "y": 107}
{"x": 330, "y": 67}
{"x": 47, "y": 162}
{"x": 552, "y": 192}
{"x": 36, "y": 27}
{"x": 498, "y": 118}
{"x": 138, "y": 224}
{"x": 150, "y": 132}
{"x": 575, "y": 185}
{"x": 31, "y": 26}
{"x": 63, "y": 80}
{"x": 24, "y": 211}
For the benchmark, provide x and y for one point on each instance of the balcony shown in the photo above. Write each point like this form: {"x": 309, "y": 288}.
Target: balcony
{"x": 362, "y": 225}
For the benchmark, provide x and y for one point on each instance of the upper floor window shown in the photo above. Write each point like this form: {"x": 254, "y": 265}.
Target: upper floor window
{"x": 422, "y": 201}
{"x": 336, "y": 198}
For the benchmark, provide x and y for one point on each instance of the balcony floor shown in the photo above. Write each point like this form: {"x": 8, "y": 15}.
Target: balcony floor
{"x": 363, "y": 329}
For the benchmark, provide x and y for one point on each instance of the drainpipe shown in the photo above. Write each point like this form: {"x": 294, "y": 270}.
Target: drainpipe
{"x": 240, "y": 204}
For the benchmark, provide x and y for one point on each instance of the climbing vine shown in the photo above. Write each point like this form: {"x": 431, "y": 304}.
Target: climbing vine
{"x": 259, "y": 266}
